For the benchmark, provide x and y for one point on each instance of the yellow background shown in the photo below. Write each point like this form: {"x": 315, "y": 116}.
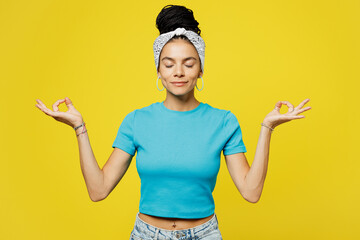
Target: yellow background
{"x": 99, "y": 54}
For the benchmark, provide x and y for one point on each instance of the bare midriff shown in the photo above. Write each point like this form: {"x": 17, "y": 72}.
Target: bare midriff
{"x": 173, "y": 223}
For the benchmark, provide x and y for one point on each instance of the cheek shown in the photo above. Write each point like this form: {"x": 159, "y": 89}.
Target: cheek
{"x": 194, "y": 77}
{"x": 165, "y": 73}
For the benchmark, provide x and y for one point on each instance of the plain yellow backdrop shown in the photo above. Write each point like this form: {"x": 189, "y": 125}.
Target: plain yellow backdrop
{"x": 99, "y": 54}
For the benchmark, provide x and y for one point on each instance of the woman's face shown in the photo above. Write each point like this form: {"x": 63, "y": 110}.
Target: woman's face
{"x": 179, "y": 62}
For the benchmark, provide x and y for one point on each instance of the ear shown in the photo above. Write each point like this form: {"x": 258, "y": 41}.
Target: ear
{"x": 201, "y": 74}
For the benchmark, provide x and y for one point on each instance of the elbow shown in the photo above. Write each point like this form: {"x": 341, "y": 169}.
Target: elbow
{"x": 97, "y": 197}
{"x": 98, "y": 191}
{"x": 253, "y": 195}
{"x": 252, "y": 198}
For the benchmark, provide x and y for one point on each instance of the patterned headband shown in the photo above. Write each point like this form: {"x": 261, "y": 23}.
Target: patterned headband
{"x": 196, "y": 40}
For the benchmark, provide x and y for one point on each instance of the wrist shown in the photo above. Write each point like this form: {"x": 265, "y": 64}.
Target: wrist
{"x": 268, "y": 126}
{"x": 80, "y": 129}
{"x": 78, "y": 123}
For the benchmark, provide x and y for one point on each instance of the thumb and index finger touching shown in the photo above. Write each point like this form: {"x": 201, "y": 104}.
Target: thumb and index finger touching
{"x": 68, "y": 102}
{"x": 280, "y": 103}
{"x": 55, "y": 106}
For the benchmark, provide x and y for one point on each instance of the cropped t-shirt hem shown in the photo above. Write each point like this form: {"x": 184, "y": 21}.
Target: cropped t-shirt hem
{"x": 166, "y": 214}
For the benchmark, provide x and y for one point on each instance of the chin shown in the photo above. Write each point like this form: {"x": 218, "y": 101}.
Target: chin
{"x": 179, "y": 92}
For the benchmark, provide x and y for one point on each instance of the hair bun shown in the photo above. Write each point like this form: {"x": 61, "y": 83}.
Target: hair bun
{"x": 175, "y": 16}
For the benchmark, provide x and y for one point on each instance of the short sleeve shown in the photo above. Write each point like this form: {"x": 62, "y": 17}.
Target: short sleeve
{"x": 234, "y": 140}
{"x": 125, "y": 135}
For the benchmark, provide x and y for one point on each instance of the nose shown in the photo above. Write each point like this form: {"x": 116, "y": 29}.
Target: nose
{"x": 179, "y": 71}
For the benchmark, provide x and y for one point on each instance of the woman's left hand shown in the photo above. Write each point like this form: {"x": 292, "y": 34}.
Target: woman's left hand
{"x": 274, "y": 118}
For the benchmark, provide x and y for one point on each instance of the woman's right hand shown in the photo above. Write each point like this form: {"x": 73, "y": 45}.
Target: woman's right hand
{"x": 71, "y": 117}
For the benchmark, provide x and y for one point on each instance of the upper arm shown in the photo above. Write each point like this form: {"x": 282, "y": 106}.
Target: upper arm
{"x": 238, "y": 167}
{"x": 115, "y": 168}
{"x": 124, "y": 150}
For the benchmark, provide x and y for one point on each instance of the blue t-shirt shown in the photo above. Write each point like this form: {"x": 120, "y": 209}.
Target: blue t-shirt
{"x": 178, "y": 156}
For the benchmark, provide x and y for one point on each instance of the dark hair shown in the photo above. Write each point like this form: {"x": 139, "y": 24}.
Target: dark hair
{"x": 174, "y": 16}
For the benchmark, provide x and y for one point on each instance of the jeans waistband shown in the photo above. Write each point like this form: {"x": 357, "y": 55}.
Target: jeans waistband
{"x": 143, "y": 225}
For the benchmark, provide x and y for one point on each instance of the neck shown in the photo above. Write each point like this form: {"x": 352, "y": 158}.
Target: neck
{"x": 181, "y": 103}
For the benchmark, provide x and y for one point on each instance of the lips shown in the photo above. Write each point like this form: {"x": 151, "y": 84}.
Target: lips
{"x": 179, "y": 84}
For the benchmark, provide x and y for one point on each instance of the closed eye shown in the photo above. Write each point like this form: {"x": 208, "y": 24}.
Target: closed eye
{"x": 185, "y": 65}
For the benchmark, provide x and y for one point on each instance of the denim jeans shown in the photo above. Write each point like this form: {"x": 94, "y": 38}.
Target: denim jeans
{"x": 206, "y": 231}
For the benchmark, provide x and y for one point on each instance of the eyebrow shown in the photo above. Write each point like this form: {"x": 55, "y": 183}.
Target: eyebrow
{"x": 171, "y": 59}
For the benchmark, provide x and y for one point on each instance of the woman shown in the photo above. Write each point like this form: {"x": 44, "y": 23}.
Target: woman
{"x": 178, "y": 142}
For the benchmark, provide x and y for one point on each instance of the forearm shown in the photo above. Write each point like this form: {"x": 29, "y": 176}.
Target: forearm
{"x": 255, "y": 177}
{"x": 91, "y": 171}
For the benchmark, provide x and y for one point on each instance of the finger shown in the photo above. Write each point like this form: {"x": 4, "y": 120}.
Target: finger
{"x": 43, "y": 108}
{"x": 51, "y": 113}
{"x": 290, "y": 106}
{"x": 46, "y": 110}
{"x": 56, "y": 104}
{"x": 41, "y": 105}
{"x": 303, "y": 103}
{"x": 69, "y": 103}
{"x": 37, "y": 105}
{"x": 303, "y": 110}
{"x": 294, "y": 117}
{"x": 278, "y": 105}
